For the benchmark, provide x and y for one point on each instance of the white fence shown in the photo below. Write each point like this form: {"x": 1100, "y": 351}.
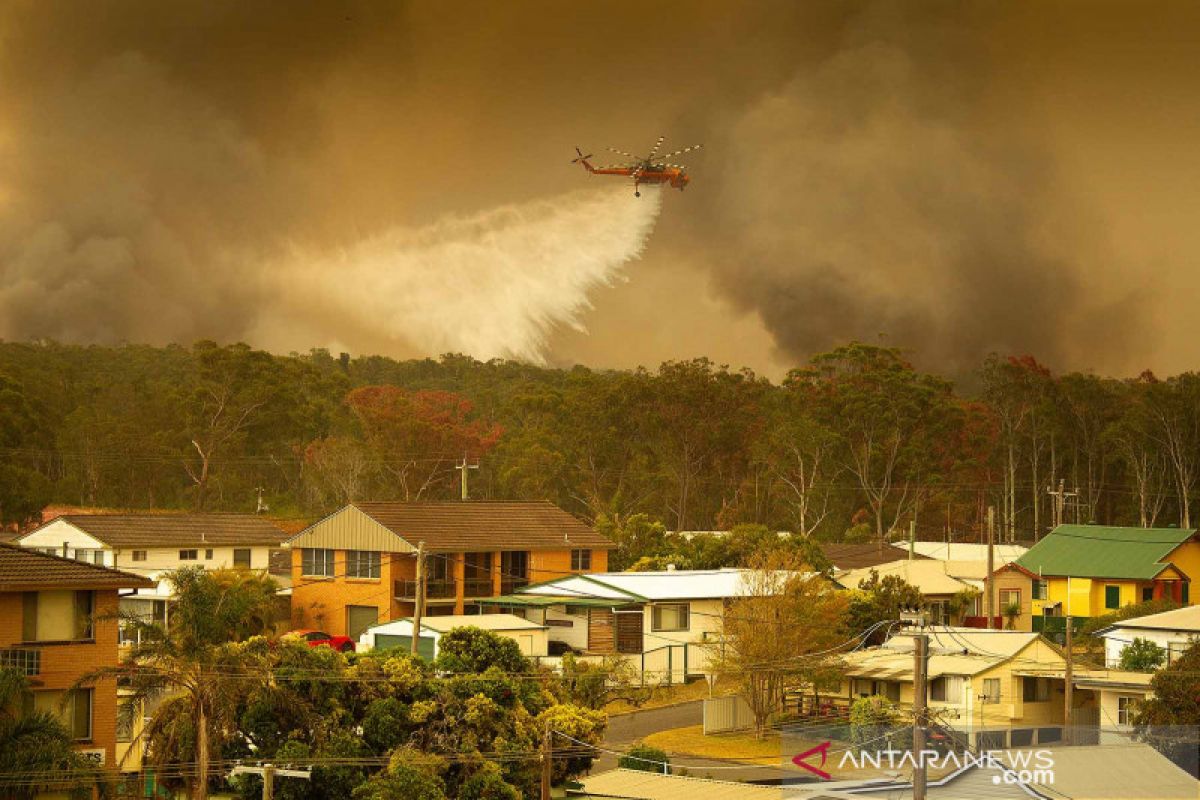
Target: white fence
{"x": 725, "y": 714}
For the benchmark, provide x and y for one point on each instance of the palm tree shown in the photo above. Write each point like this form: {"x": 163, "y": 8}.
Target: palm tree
{"x": 35, "y": 748}
{"x": 182, "y": 671}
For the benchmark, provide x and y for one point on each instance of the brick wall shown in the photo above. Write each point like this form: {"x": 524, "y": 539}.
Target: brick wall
{"x": 63, "y": 664}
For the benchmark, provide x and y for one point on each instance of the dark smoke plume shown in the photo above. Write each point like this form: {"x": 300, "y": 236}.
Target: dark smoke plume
{"x": 946, "y": 177}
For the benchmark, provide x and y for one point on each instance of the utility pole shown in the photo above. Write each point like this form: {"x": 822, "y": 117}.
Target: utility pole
{"x": 989, "y": 609}
{"x": 1060, "y": 503}
{"x": 419, "y": 596}
{"x": 912, "y": 538}
{"x": 547, "y": 762}
{"x": 1068, "y": 688}
{"x": 462, "y": 467}
{"x": 268, "y": 773}
{"x": 920, "y": 702}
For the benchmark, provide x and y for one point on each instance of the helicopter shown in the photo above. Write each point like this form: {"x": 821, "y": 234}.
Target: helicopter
{"x": 652, "y": 169}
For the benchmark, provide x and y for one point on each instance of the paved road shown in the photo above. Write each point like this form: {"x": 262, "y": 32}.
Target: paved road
{"x": 625, "y": 729}
{"x": 628, "y": 728}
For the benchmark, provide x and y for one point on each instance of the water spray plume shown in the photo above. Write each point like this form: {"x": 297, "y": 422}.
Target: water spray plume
{"x": 493, "y": 284}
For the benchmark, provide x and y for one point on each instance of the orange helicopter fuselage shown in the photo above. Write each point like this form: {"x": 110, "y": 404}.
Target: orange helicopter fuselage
{"x": 675, "y": 177}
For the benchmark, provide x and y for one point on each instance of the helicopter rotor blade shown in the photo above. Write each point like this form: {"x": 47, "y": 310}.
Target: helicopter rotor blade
{"x": 654, "y": 149}
{"x": 684, "y": 150}
{"x": 623, "y": 153}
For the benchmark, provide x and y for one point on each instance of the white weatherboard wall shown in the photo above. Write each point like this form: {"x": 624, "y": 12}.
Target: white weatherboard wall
{"x": 1119, "y": 638}
{"x": 158, "y": 559}
{"x": 59, "y": 533}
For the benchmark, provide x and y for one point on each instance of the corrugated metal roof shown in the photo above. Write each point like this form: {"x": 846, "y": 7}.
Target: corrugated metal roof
{"x": 681, "y": 584}
{"x": 470, "y": 526}
{"x": 175, "y": 530}
{"x": 964, "y": 551}
{"x": 487, "y": 622}
{"x": 1179, "y": 619}
{"x": 638, "y": 785}
{"x": 931, "y": 577}
{"x": 1098, "y": 551}
{"x": 23, "y": 569}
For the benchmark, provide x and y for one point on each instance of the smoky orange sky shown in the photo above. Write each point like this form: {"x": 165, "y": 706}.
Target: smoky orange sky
{"x": 951, "y": 178}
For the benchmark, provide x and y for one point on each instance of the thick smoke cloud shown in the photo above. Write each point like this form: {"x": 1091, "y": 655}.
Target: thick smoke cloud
{"x": 939, "y": 176}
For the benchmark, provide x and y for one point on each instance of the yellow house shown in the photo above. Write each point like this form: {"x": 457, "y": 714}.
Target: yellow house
{"x": 1000, "y": 688}
{"x": 1089, "y": 570}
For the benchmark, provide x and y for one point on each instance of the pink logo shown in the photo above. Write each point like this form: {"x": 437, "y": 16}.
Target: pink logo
{"x": 823, "y": 749}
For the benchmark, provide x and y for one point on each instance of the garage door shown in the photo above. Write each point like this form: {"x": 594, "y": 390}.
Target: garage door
{"x": 359, "y": 618}
{"x": 387, "y": 641}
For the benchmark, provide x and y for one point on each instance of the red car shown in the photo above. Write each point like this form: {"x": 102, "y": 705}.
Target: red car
{"x": 343, "y": 644}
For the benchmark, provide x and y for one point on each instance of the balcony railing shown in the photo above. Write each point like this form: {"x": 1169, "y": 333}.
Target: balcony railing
{"x": 434, "y": 590}
{"x": 481, "y": 587}
{"x": 24, "y": 660}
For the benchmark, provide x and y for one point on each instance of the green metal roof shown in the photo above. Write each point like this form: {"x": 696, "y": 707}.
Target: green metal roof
{"x": 1099, "y": 551}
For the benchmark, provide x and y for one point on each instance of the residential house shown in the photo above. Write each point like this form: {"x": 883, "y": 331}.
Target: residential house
{"x": 1174, "y": 631}
{"x": 1013, "y": 587}
{"x": 530, "y": 637}
{"x": 1090, "y": 570}
{"x": 151, "y": 544}
{"x": 667, "y": 624}
{"x": 1001, "y": 688}
{"x": 945, "y": 585}
{"x": 57, "y": 624}
{"x": 357, "y": 567}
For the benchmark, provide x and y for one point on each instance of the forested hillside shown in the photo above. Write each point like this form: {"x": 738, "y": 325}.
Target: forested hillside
{"x": 853, "y": 444}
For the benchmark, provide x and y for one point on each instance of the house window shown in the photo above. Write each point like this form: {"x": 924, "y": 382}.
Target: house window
{"x": 991, "y": 690}
{"x": 1183, "y": 593}
{"x": 57, "y": 616}
{"x": 1035, "y": 690}
{"x": 1009, "y": 597}
{"x": 1147, "y": 594}
{"x": 669, "y": 617}
{"x": 581, "y": 560}
{"x": 1112, "y": 596}
{"x": 316, "y": 562}
{"x": 98, "y": 557}
{"x": 362, "y": 563}
{"x": 241, "y": 558}
{"x": 75, "y": 712}
{"x": 189, "y": 555}
{"x": 1039, "y": 590}
{"x": 139, "y": 555}
{"x": 947, "y": 689}
{"x": 575, "y": 611}
{"x": 1126, "y": 708}
{"x": 208, "y": 554}
{"x": 1176, "y": 649}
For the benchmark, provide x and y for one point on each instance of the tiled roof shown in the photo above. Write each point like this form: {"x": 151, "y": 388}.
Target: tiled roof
{"x": 174, "y": 530}
{"x": 22, "y": 569}
{"x": 856, "y": 556}
{"x": 1098, "y": 551}
{"x": 483, "y": 525}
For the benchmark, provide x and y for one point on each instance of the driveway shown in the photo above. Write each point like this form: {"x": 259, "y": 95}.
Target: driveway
{"x": 628, "y": 728}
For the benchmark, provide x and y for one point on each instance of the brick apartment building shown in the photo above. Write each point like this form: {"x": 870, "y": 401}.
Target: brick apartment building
{"x": 357, "y": 566}
{"x": 57, "y": 624}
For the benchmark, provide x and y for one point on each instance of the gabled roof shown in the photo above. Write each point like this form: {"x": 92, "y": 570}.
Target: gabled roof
{"x": 953, "y": 651}
{"x": 636, "y": 587}
{"x": 931, "y": 577}
{"x": 22, "y": 569}
{"x": 856, "y": 556}
{"x": 1098, "y": 551}
{"x": 173, "y": 530}
{"x": 965, "y": 551}
{"x": 1185, "y": 619}
{"x": 475, "y": 525}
